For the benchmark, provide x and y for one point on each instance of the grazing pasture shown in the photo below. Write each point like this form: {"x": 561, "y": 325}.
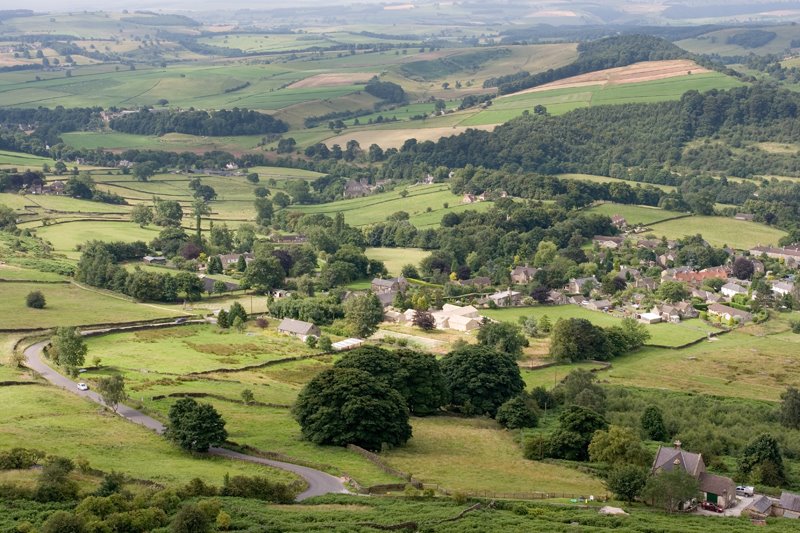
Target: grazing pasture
{"x": 719, "y": 231}
{"x": 635, "y": 214}
{"x": 395, "y": 258}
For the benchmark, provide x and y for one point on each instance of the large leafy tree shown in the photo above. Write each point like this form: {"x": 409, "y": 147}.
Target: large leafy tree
{"x": 343, "y": 406}
{"x": 617, "y": 445}
{"x": 672, "y": 291}
{"x": 264, "y": 274}
{"x": 503, "y": 337}
{"x": 762, "y": 459}
{"x": 195, "y": 426}
{"x": 363, "y": 314}
{"x": 415, "y": 375}
{"x": 577, "y": 426}
{"x": 68, "y": 347}
{"x": 112, "y": 390}
{"x": 626, "y": 481}
{"x": 670, "y": 489}
{"x": 576, "y": 339}
{"x": 518, "y": 412}
{"x": 480, "y": 380}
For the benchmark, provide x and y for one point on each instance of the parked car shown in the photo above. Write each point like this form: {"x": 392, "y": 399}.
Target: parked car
{"x": 83, "y": 386}
{"x": 743, "y": 490}
{"x": 708, "y": 506}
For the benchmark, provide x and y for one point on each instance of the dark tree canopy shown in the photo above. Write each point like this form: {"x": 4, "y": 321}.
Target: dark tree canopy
{"x": 518, "y": 412}
{"x": 343, "y": 406}
{"x": 195, "y": 426}
{"x": 790, "y": 408}
{"x": 743, "y": 268}
{"x": 577, "y": 426}
{"x": 762, "y": 459}
{"x": 576, "y": 339}
{"x": 223, "y": 122}
{"x": 415, "y": 375}
{"x": 504, "y": 337}
{"x": 480, "y": 379}
{"x": 653, "y": 424}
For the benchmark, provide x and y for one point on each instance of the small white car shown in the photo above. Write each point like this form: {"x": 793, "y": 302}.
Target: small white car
{"x": 83, "y": 386}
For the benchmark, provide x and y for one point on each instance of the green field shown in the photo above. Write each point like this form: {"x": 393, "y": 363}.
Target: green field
{"x": 719, "y": 231}
{"x": 70, "y": 305}
{"x": 21, "y": 161}
{"x": 67, "y": 236}
{"x": 395, "y": 258}
{"x": 605, "y": 179}
{"x": 715, "y": 42}
{"x": 12, "y": 272}
{"x": 559, "y": 101}
{"x": 663, "y": 334}
{"x": 375, "y": 208}
{"x": 447, "y": 450}
{"x": 59, "y": 422}
{"x": 635, "y": 214}
{"x": 756, "y": 362}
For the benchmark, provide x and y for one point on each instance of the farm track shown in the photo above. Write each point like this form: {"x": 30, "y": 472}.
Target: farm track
{"x": 319, "y": 483}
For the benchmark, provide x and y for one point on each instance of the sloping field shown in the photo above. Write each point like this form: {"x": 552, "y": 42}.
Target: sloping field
{"x": 333, "y": 79}
{"x": 395, "y": 138}
{"x": 636, "y": 73}
{"x": 721, "y": 231}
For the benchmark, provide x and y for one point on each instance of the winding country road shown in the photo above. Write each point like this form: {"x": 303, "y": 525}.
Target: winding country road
{"x": 319, "y": 483}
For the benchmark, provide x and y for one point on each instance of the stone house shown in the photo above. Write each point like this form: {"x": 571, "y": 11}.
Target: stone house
{"x": 298, "y": 328}
{"x": 719, "y": 490}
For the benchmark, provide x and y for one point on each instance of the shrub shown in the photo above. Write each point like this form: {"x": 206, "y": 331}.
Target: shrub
{"x": 256, "y": 487}
{"x": 63, "y": 522}
{"x": 517, "y": 413}
{"x": 35, "y": 300}
{"x": 190, "y": 519}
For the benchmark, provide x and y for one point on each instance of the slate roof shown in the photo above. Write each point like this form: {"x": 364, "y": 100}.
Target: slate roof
{"x": 790, "y": 501}
{"x": 761, "y": 505}
{"x": 668, "y": 458}
{"x": 290, "y": 325}
{"x": 718, "y": 485}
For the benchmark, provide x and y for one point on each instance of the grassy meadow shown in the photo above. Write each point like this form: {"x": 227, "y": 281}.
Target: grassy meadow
{"x": 394, "y": 258}
{"x": 70, "y": 305}
{"x": 635, "y": 214}
{"x": 662, "y": 334}
{"x": 718, "y": 231}
{"x": 61, "y": 423}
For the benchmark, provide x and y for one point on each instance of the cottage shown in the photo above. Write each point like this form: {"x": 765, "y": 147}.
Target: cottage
{"x": 612, "y": 243}
{"x": 730, "y": 290}
{"x": 782, "y": 288}
{"x": 598, "y": 305}
{"x": 788, "y": 254}
{"x": 208, "y": 285}
{"x": 761, "y": 507}
{"x": 56, "y": 188}
{"x": 706, "y": 296}
{"x": 154, "y": 260}
{"x": 479, "y": 282}
{"x": 506, "y": 298}
{"x": 618, "y": 221}
{"x": 789, "y": 505}
{"x": 577, "y": 299}
{"x": 687, "y": 275}
{"x": 719, "y": 490}
{"x": 356, "y": 189}
{"x": 649, "y": 318}
{"x": 457, "y": 318}
{"x": 729, "y": 313}
{"x": 557, "y": 298}
{"x": 469, "y": 199}
{"x": 667, "y": 259}
{"x": 744, "y": 216}
{"x": 645, "y": 283}
{"x": 298, "y": 328}
{"x": 232, "y": 260}
{"x": 395, "y": 317}
{"x": 523, "y": 274}
{"x": 392, "y": 285}
{"x": 580, "y": 285}
{"x": 386, "y": 298}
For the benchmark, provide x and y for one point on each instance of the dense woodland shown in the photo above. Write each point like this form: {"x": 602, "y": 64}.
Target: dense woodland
{"x": 234, "y": 122}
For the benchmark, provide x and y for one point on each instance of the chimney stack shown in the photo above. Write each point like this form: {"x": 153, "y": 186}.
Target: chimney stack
{"x": 677, "y": 444}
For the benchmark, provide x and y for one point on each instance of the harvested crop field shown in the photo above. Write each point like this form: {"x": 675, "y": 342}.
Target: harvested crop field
{"x": 638, "y": 72}
{"x": 395, "y": 138}
{"x": 332, "y": 80}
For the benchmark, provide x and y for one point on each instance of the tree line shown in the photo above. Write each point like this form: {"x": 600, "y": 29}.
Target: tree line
{"x": 218, "y": 123}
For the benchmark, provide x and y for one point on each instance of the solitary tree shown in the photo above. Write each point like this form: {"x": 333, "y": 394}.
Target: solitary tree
{"x": 68, "y": 348}
{"x": 743, "y": 268}
{"x": 112, "y": 390}
{"x": 195, "y": 426}
{"x": 142, "y": 214}
{"x": 626, "y": 481}
{"x": 424, "y": 320}
{"x": 762, "y": 459}
{"x": 672, "y": 291}
{"x": 343, "y": 406}
{"x": 35, "y": 300}
{"x": 576, "y": 428}
{"x": 617, "y": 445}
{"x": 575, "y": 339}
{"x": 264, "y": 274}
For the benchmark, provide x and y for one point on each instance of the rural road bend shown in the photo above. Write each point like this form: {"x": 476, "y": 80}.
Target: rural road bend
{"x": 319, "y": 483}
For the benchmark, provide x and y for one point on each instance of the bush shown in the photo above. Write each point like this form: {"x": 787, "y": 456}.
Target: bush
{"x": 256, "y": 487}
{"x": 35, "y": 300}
{"x": 517, "y": 413}
{"x": 20, "y": 459}
{"x": 64, "y": 522}
{"x": 190, "y": 519}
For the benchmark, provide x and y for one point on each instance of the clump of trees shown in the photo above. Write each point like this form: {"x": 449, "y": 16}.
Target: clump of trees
{"x": 576, "y": 339}
{"x": 218, "y": 123}
{"x": 35, "y": 300}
